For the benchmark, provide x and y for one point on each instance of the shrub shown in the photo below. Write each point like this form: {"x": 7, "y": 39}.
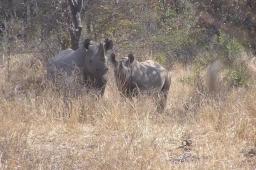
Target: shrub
{"x": 238, "y": 75}
{"x": 232, "y": 48}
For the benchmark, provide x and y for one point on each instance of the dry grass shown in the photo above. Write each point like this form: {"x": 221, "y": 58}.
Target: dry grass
{"x": 115, "y": 133}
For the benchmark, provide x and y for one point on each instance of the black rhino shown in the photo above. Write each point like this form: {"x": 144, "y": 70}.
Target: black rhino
{"x": 148, "y": 77}
{"x": 87, "y": 64}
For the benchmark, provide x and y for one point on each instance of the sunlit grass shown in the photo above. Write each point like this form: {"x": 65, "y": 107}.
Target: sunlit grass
{"x": 42, "y": 129}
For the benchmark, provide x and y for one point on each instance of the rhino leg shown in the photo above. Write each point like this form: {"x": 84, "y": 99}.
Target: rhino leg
{"x": 52, "y": 73}
{"x": 164, "y": 94}
{"x": 130, "y": 90}
{"x": 162, "y": 100}
{"x": 98, "y": 84}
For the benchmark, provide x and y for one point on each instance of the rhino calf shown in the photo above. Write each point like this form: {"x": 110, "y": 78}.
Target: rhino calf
{"x": 134, "y": 77}
{"x": 87, "y": 64}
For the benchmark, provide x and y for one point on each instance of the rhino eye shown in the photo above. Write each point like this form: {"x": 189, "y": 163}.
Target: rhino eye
{"x": 90, "y": 61}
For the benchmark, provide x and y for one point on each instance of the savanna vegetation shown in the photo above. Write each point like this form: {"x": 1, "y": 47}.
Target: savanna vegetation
{"x": 208, "y": 47}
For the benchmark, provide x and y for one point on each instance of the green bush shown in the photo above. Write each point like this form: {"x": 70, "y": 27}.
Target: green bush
{"x": 160, "y": 58}
{"x": 231, "y": 46}
{"x": 238, "y": 76}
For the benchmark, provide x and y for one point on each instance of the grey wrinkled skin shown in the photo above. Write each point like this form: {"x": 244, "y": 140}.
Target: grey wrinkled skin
{"x": 87, "y": 64}
{"x": 134, "y": 77}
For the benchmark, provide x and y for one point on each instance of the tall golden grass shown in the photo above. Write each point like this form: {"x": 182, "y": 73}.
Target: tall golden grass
{"x": 41, "y": 128}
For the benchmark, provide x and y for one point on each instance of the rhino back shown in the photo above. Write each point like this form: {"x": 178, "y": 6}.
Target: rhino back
{"x": 149, "y": 75}
{"x": 63, "y": 53}
{"x": 66, "y": 61}
{"x": 69, "y": 58}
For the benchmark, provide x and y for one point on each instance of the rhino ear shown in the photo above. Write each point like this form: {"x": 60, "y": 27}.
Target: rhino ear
{"x": 130, "y": 58}
{"x": 108, "y": 44}
{"x": 113, "y": 59}
{"x": 87, "y": 43}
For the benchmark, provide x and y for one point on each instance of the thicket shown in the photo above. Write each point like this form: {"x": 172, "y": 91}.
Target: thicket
{"x": 165, "y": 30}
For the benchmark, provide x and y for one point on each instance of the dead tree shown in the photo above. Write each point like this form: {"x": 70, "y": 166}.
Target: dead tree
{"x": 76, "y": 26}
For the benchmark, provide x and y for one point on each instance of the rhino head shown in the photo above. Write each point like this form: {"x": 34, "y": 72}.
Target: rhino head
{"x": 96, "y": 55}
{"x": 123, "y": 70}
{"x": 95, "y": 62}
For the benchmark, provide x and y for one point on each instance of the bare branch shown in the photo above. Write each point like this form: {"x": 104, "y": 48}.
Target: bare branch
{"x": 76, "y": 28}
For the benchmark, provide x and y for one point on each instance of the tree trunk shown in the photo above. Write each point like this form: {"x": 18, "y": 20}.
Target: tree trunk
{"x": 88, "y": 24}
{"x": 28, "y": 24}
{"x": 28, "y": 12}
{"x": 76, "y": 27}
{"x": 12, "y": 9}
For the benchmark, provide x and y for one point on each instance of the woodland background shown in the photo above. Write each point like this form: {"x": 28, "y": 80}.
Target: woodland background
{"x": 202, "y": 128}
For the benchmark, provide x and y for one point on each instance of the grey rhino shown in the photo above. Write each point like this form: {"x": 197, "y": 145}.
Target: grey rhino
{"x": 87, "y": 63}
{"x": 148, "y": 77}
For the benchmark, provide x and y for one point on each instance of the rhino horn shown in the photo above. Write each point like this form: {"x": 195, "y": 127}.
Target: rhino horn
{"x": 113, "y": 59}
{"x": 101, "y": 51}
{"x": 131, "y": 58}
{"x": 87, "y": 43}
